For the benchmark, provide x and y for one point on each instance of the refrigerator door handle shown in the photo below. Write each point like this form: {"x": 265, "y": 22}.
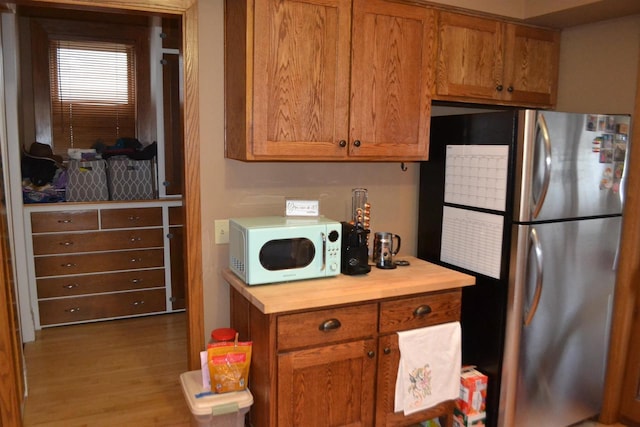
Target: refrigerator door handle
{"x": 534, "y": 242}
{"x": 544, "y": 130}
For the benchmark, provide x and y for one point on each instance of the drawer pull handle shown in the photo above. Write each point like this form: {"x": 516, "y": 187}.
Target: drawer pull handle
{"x": 135, "y": 239}
{"x": 136, "y": 280}
{"x": 70, "y": 286}
{"x": 329, "y": 325}
{"x": 371, "y": 354}
{"x": 423, "y": 310}
{"x": 65, "y": 221}
{"x": 68, "y": 265}
{"x": 137, "y": 303}
{"x": 73, "y": 310}
{"x": 136, "y": 259}
{"x": 134, "y": 218}
{"x": 387, "y": 350}
{"x": 66, "y": 243}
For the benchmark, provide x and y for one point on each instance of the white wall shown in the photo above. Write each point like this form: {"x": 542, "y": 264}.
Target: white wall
{"x": 232, "y": 188}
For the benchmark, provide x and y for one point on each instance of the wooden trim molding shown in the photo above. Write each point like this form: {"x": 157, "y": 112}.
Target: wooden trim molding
{"x": 626, "y": 283}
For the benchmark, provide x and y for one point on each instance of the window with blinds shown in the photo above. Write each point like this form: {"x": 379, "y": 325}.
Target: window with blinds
{"x": 93, "y": 92}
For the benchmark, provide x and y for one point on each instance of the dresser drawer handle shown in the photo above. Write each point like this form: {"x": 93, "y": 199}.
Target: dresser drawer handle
{"x": 68, "y": 265}
{"x": 137, "y": 280}
{"x": 329, "y": 325}
{"x": 137, "y": 303}
{"x": 65, "y": 221}
{"x": 66, "y": 244}
{"x": 135, "y": 239}
{"x": 73, "y": 310}
{"x": 70, "y": 286}
{"x": 136, "y": 259}
{"x": 423, "y": 310}
{"x": 134, "y": 218}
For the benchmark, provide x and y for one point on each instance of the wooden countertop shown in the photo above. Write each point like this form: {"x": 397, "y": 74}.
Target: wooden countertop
{"x": 418, "y": 277}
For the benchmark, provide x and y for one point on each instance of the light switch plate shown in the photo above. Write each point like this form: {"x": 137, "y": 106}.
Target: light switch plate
{"x": 222, "y": 231}
{"x": 295, "y": 207}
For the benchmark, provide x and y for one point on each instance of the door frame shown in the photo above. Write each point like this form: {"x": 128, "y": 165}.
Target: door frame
{"x": 188, "y": 11}
{"x": 627, "y": 292}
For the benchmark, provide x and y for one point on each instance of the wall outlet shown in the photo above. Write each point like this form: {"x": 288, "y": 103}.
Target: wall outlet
{"x": 222, "y": 231}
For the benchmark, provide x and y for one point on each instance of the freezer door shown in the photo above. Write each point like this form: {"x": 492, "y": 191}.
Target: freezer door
{"x": 570, "y": 165}
{"x": 565, "y": 293}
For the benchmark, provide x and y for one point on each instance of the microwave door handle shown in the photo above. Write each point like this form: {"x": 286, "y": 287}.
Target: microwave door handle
{"x": 324, "y": 251}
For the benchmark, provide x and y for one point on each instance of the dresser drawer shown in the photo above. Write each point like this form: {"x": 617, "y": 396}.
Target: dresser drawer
{"x": 421, "y": 311}
{"x": 78, "y": 309}
{"x": 325, "y": 326}
{"x": 99, "y": 283}
{"x": 92, "y": 263}
{"x": 133, "y": 217}
{"x": 44, "y": 222}
{"x": 44, "y": 244}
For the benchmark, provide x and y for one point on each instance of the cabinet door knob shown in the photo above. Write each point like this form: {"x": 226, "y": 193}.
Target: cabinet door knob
{"x": 342, "y": 143}
{"x": 356, "y": 143}
{"x": 329, "y": 325}
{"x": 387, "y": 350}
{"x": 499, "y": 88}
{"x": 371, "y": 354}
{"x": 423, "y": 310}
{"x": 510, "y": 89}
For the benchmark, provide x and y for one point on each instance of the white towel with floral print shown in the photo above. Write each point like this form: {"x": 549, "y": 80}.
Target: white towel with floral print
{"x": 429, "y": 369}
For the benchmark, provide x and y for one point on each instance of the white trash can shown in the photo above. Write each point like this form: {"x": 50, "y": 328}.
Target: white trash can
{"x": 215, "y": 410}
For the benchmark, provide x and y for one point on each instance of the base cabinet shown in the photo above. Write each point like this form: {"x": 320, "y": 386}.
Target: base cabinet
{"x": 336, "y": 365}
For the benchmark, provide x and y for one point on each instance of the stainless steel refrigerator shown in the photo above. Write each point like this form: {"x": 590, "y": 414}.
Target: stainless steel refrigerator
{"x": 530, "y": 202}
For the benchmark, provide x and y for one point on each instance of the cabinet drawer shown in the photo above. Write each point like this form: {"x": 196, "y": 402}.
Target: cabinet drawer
{"x": 134, "y": 217}
{"x": 326, "y": 326}
{"x": 421, "y": 311}
{"x": 92, "y": 263}
{"x": 43, "y": 222}
{"x": 99, "y": 283}
{"x": 77, "y": 309}
{"x": 44, "y": 244}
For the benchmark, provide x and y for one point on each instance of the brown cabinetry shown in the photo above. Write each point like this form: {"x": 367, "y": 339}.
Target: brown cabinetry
{"x": 336, "y": 364}
{"x": 487, "y": 60}
{"x": 99, "y": 263}
{"x": 328, "y": 80}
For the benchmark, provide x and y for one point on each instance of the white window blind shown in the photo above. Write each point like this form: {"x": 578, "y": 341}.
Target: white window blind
{"x": 93, "y": 96}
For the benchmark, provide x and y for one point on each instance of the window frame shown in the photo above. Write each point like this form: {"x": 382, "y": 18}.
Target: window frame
{"x": 44, "y": 30}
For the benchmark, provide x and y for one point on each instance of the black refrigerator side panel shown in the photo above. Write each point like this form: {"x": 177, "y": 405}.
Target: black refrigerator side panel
{"x": 483, "y": 315}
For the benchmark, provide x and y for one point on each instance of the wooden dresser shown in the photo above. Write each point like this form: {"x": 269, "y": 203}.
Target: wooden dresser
{"x": 325, "y": 351}
{"x": 102, "y": 261}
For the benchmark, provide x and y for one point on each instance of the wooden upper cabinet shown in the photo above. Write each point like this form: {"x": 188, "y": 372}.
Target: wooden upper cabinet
{"x": 482, "y": 59}
{"x": 328, "y": 80}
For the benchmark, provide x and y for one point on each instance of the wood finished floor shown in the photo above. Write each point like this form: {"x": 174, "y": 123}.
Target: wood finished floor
{"x": 115, "y": 373}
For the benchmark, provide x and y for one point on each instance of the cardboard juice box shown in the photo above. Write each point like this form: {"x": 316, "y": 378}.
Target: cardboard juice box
{"x": 473, "y": 391}
{"x": 466, "y": 420}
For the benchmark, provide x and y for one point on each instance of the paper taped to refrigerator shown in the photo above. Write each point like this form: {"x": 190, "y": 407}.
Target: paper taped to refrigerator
{"x": 472, "y": 240}
{"x": 476, "y": 175}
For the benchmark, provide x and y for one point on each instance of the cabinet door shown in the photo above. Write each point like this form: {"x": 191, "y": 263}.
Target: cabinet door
{"x": 331, "y": 385}
{"x": 301, "y": 79}
{"x": 531, "y": 65}
{"x": 392, "y": 79}
{"x": 470, "y": 60}
{"x": 388, "y": 360}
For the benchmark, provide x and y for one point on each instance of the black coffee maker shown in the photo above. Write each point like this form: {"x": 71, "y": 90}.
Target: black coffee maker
{"x": 355, "y": 236}
{"x": 355, "y": 250}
